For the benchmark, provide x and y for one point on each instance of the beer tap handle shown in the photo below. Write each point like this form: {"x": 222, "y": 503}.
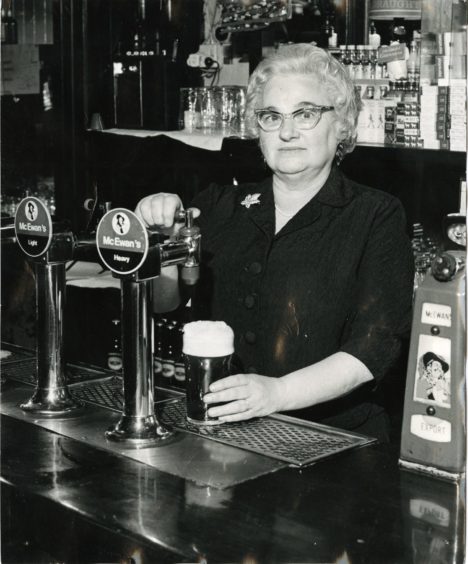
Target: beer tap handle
{"x": 180, "y": 216}
{"x": 97, "y": 209}
{"x": 190, "y": 233}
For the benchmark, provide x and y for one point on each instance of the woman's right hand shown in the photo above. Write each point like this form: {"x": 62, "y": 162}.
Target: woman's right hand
{"x": 159, "y": 209}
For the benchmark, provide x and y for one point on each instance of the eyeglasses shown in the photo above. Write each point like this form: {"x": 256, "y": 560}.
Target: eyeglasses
{"x": 304, "y": 118}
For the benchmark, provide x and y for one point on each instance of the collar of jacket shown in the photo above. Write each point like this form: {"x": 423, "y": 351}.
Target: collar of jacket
{"x": 336, "y": 192}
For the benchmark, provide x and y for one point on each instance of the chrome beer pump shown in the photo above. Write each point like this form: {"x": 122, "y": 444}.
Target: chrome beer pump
{"x": 136, "y": 255}
{"x": 434, "y": 420}
{"x": 50, "y": 245}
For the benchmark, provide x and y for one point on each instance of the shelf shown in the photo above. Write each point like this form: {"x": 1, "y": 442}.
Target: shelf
{"x": 214, "y": 142}
{"x": 210, "y": 142}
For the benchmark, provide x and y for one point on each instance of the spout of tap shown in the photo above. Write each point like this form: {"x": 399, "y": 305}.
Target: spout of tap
{"x": 190, "y": 233}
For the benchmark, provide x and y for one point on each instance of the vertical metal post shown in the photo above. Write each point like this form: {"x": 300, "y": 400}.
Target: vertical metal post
{"x": 138, "y": 426}
{"x": 51, "y": 396}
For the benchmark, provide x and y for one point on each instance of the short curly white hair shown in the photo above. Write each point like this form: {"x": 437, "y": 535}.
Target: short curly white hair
{"x": 306, "y": 59}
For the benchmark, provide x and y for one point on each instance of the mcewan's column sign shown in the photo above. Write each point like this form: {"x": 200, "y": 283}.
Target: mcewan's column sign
{"x": 122, "y": 241}
{"x": 33, "y": 226}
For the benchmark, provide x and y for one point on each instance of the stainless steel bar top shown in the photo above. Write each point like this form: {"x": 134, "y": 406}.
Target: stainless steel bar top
{"x": 97, "y": 505}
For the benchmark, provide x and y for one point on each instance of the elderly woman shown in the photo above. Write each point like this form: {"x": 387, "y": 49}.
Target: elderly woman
{"x": 312, "y": 271}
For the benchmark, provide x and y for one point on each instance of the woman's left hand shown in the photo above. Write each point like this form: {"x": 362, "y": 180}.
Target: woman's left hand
{"x": 249, "y": 395}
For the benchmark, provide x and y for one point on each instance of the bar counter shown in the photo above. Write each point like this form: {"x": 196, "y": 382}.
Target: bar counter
{"x": 67, "y": 500}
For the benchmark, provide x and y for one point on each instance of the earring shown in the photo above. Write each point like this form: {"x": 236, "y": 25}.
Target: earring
{"x": 340, "y": 153}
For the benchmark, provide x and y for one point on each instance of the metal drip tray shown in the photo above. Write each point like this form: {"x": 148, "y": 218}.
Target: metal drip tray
{"x": 108, "y": 394}
{"x": 24, "y": 370}
{"x": 287, "y": 439}
{"x": 284, "y": 438}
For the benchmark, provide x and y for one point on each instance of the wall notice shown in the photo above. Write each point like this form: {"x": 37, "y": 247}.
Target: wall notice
{"x": 20, "y": 70}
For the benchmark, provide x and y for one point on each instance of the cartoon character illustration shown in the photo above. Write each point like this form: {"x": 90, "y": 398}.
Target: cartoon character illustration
{"x": 434, "y": 377}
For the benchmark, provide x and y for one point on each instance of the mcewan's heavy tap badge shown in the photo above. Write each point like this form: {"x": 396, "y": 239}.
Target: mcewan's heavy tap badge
{"x": 33, "y": 226}
{"x": 122, "y": 241}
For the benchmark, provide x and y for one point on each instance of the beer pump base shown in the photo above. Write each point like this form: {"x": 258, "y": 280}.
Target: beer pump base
{"x": 431, "y": 470}
{"x": 56, "y": 402}
{"x": 140, "y": 432}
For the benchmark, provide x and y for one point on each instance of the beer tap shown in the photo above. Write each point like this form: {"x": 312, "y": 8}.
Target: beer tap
{"x": 50, "y": 245}
{"x": 136, "y": 256}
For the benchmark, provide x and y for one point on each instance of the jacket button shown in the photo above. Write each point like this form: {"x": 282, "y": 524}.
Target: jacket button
{"x": 252, "y": 370}
{"x": 250, "y": 337}
{"x": 249, "y": 301}
{"x": 255, "y": 268}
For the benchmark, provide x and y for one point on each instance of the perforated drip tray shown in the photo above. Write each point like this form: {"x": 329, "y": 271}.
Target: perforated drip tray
{"x": 283, "y": 438}
{"x": 24, "y": 370}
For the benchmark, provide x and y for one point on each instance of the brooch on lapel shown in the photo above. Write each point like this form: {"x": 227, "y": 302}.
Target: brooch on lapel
{"x": 250, "y": 200}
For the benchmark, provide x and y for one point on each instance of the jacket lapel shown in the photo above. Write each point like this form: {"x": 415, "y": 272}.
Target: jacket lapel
{"x": 334, "y": 193}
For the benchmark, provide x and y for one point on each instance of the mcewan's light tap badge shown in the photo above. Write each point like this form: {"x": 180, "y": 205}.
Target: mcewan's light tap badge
{"x": 33, "y": 226}
{"x": 122, "y": 241}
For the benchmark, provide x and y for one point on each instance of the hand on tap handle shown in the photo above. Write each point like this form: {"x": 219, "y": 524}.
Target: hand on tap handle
{"x": 166, "y": 212}
{"x": 161, "y": 210}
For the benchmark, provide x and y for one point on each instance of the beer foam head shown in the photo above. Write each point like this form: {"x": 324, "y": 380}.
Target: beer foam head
{"x": 208, "y": 338}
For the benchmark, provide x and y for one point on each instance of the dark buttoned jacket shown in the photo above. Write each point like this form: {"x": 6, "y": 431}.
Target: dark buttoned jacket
{"x": 337, "y": 277}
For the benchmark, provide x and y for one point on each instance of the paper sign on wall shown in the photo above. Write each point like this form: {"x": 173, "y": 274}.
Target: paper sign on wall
{"x": 20, "y": 70}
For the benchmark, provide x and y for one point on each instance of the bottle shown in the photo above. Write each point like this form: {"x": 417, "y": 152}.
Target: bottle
{"x": 136, "y": 46}
{"x": 374, "y": 37}
{"x": 373, "y": 66}
{"x": 4, "y": 25}
{"x": 325, "y": 33}
{"x": 347, "y": 60}
{"x": 383, "y": 91}
{"x": 341, "y": 55}
{"x": 365, "y": 62}
{"x": 11, "y": 28}
{"x": 157, "y": 350}
{"x": 384, "y": 70}
{"x": 394, "y": 93}
{"x": 413, "y": 63}
{"x": 356, "y": 71}
{"x": 333, "y": 38}
{"x": 157, "y": 43}
{"x": 369, "y": 93}
{"x": 114, "y": 356}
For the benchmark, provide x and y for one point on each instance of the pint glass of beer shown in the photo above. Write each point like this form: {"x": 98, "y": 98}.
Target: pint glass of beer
{"x": 208, "y": 347}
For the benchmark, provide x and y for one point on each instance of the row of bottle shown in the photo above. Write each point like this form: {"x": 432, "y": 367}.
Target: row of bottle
{"x": 148, "y": 45}
{"x": 150, "y": 32}
{"x": 9, "y": 28}
{"x": 398, "y": 90}
{"x": 362, "y": 62}
{"x": 168, "y": 363}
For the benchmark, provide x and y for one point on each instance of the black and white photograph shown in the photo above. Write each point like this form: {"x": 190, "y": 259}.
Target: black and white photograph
{"x": 233, "y": 281}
